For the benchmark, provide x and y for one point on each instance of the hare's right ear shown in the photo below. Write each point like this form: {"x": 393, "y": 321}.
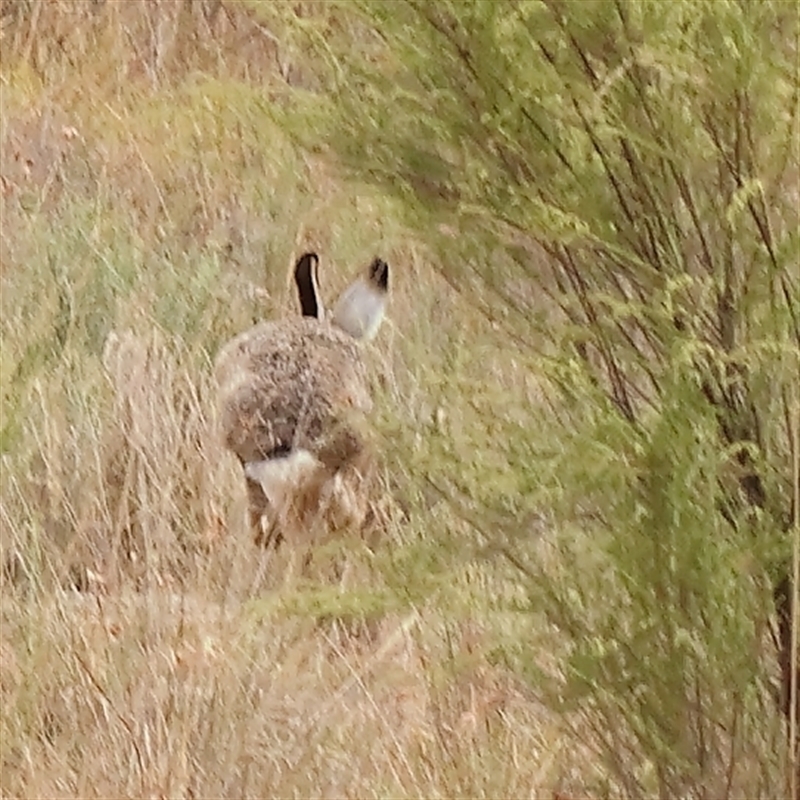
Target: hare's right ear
{"x": 360, "y": 309}
{"x": 305, "y": 276}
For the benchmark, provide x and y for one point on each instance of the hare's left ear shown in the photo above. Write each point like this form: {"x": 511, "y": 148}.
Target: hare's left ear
{"x": 306, "y": 278}
{"x": 360, "y": 309}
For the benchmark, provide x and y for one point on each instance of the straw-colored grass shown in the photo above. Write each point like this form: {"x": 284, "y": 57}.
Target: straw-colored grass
{"x": 150, "y": 211}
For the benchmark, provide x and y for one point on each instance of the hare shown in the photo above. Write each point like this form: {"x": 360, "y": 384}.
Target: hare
{"x": 292, "y": 396}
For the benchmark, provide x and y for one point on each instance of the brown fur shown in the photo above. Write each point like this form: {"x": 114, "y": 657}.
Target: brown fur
{"x": 299, "y": 384}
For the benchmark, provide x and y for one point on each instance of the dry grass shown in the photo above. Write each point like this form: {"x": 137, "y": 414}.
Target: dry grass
{"x": 150, "y": 211}
{"x": 158, "y": 694}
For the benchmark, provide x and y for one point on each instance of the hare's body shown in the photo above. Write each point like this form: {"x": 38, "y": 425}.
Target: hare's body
{"x": 283, "y": 383}
{"x": 292, "y": 394}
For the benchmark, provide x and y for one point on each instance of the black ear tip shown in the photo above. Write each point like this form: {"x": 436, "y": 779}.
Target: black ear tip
{"x": 305, "y": 276}
{"x": 379, "y": 273}
{"x": 306, "y": 266}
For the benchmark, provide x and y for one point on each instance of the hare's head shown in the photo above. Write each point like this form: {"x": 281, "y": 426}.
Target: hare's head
{"x": 360, "y": 308}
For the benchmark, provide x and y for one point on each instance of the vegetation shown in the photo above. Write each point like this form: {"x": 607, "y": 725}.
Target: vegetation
{"x": 588, "y": 398}
{"x": 616, "y": 188}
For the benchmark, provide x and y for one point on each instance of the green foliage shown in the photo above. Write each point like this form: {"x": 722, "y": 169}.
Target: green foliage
{"x": 614, "y": 186}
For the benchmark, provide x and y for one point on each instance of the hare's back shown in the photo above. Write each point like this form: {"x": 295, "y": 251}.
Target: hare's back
{"x": 287, "y": 351}
{"x": 281, "y": 383}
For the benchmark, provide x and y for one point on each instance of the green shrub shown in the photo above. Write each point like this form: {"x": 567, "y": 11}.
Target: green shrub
{"x": 614, "y": 186}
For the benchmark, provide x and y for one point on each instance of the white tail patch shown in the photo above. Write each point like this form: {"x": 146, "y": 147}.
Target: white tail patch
{"x": 279, "y": 477}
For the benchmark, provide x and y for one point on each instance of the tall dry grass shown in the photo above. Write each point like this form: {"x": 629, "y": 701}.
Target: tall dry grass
{"x": 150, "y": 209}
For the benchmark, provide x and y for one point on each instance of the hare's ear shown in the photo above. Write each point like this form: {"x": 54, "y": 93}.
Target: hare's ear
{"x": 360, "y": 309}
{"x": 305, "y": 276}
{"x": 378, "y": 275}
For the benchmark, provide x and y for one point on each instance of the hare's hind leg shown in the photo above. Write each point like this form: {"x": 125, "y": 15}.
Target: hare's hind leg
{"x": 263, "y": 524}
{"x": 272, "y": 486}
